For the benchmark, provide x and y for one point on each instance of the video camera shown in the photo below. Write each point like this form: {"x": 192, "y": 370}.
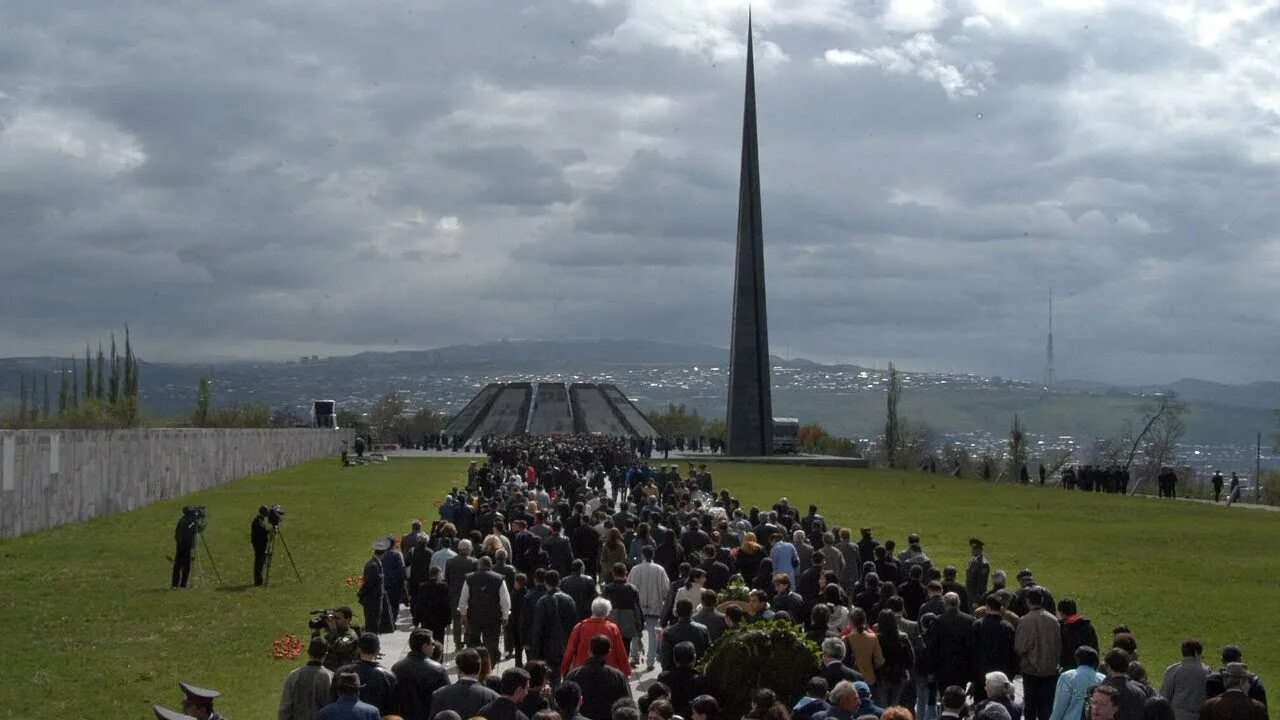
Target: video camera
{"x": 198, "y": 514}
{"x": 320, "y": 619}
{"x": 275, "y": 515}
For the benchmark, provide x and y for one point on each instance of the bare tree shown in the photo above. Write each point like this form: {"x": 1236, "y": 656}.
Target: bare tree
{"x": 892, "y": 431}
{"x": 917, "y": 442}
{"x": 385, "y": 413}
{"x": 955, "y": 457}
{"x": 1165, "y": 422}
{"x": 1017, "y": 449}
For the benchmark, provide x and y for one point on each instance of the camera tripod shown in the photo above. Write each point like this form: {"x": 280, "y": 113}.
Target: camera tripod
{"x": 271, "y": 547}
{"x": 208, "y": 553}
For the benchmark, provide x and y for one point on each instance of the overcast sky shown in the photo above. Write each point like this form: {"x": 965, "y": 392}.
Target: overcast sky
{"x": 267, "y": 179}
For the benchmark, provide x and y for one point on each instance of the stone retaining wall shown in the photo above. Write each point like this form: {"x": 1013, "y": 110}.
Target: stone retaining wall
{"x": 53, "y": 477}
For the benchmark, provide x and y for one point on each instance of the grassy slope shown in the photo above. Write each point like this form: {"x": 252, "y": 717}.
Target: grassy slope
{"x": 93, "y": 630}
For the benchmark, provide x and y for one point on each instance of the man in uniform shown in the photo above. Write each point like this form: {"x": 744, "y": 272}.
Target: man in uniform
{"x": 373, "y": 591}
{"x": 167, "y": 714}
{"x": 198, "y": 702}
{"x": 976, "y": 575}
{"x": 184, "y": 535}
{"x": 485, "y": 605}
{"x": 342, "y": 639}
{"x": 258, "y": 535}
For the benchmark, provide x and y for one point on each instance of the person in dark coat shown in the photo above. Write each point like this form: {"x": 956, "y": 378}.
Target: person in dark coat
{"x": 1132, "y": 697}
{"x": 1234, "y": 703}
{"x": 626, "y": 612}
{"x": 913, "y": 592}
{"x": 717, "y": 572}
{"x": 528, "y": 606}
{"x": 684, "y": 681}
{"x": 992, "y": 647}
{"x": 1077, "y": 631}
{"x": 373, "y": 592}
{"x": 833, "y": 667}
{"x": 418, "y": 557}
{"x": 683, "y": 630}
{"x": 467, "y": 695}
{"x": 185, "y": 535}
{"x": 601, "y": 683}
{"x": 258, "y": 536}
{"x": 785, "y": 599}
{"x": 586, "y": 546}
{"x": 514, "y": 687}
{"x": 456, "y": 571}
{"x": 581, "y": 587}
{"x": 553, "y": 622}
{"x": 950, "y": 642}
{"x": 377, "y": 684}
{"x": 1214, "y": 686}
{"x": 430, "y": 605}
{"x": 417, "y": 678}
{"x": 559, "y": 552}
{"x": 393, "y": 570}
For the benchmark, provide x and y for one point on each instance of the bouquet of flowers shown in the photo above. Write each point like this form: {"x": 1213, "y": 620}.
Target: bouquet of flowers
{"x": 288, "y": 647}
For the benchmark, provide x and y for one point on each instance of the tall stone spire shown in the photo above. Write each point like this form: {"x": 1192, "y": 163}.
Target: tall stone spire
{"x": 750, "y": 404}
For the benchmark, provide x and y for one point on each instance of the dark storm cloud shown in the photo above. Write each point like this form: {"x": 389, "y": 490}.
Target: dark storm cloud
{"x": 240, "y": 179}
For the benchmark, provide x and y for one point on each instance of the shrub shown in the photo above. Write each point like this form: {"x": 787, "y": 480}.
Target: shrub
{"x": 773, "y": 654}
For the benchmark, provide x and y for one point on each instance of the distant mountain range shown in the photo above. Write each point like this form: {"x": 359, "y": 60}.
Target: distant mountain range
{"x": 847, "y": 399}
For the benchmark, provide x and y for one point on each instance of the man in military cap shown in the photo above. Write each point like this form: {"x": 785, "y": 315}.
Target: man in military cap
{"x": 198, "y": 702}
{"x": 167, "y": 714}
{"x": 373, "y": 592}
{"x": 978, "y": 572}
{"x": 341, "y": 638}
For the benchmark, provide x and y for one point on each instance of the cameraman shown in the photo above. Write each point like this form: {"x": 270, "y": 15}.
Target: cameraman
{"x": 258, "y": 535}
{"x": 342, "y": 638}
{"x": 184, "y": 535}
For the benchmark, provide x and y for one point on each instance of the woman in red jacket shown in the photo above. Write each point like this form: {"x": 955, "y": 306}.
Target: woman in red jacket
{"x": 578, "y": 649}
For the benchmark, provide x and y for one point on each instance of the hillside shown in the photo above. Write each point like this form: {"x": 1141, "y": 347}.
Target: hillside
{"x": 848, "y": 400}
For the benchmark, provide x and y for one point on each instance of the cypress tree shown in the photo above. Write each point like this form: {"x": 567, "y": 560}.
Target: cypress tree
{"x": 129, "y": 389}
{"x": 99, "y": 389}
{"x": 114, "y": 382}
{"x": 75, "y": 383}
{"x": 44, "y": 406}
{"x": 137, "y": 373}
{"x": 64, "y": 388}
{"x": 88, "y": 374}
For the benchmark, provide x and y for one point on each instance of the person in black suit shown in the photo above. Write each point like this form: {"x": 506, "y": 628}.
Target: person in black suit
{"x": 258, "y": 535}
{"x": 684, "y": 629}
{"x": 581, "y": 587}
{"x": 684, "y": 681}
{"x": 950, "y": 643}
{"x": 602, "y": 684}
{"x": 515, "y": 686}
{"x": 467, "y": 695}
{"x": 553, "y": 621}
{"x": 417, "y": 678}
{"x": 833, "y": 668}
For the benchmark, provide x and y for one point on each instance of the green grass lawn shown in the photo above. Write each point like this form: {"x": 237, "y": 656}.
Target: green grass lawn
{"x": 92, "y": 629}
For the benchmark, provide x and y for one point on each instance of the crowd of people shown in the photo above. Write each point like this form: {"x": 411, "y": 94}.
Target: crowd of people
{"x": 581, "y": 563}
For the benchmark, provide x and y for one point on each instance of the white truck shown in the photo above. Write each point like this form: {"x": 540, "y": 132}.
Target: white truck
{"x": 786, "y": 435}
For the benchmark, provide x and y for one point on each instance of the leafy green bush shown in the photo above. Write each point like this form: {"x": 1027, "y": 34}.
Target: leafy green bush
{"x": 773, "y": 654}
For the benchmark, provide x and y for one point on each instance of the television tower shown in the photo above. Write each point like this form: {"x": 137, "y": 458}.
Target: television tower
{"x": 1050, "y": 378}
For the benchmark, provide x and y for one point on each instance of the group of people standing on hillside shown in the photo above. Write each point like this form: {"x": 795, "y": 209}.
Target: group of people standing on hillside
{"x": 581, "y": 563}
